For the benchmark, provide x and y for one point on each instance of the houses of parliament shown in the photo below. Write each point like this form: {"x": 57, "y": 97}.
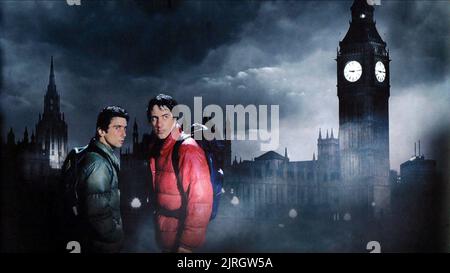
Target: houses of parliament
{"x": 351, "y": 172}
{"x": 45, "y": 150}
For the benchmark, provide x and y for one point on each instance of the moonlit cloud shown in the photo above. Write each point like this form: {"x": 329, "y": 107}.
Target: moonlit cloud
{"x": 229, "y": 52}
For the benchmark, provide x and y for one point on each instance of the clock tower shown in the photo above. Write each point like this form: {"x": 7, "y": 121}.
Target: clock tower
{"x": 363, "y": 92}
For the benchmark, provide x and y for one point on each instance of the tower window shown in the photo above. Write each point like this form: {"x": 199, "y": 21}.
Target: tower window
{"x": 362, "y": 16}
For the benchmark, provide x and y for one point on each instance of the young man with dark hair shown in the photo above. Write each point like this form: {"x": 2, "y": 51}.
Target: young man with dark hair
{"x": 97, "y": 189}
{"x": 182, "y": 193}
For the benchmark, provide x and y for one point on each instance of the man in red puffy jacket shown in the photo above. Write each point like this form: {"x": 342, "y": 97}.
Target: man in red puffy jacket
{"x": 179, "y": 228}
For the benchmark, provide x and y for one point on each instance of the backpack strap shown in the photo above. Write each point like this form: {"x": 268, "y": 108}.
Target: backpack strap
{"x": 183, "y": 209}
{"x": 178, "y": 213}
{"x": 72, "y": 161}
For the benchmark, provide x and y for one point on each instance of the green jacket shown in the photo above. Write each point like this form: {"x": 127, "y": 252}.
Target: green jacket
{"x": 100, "y": 199}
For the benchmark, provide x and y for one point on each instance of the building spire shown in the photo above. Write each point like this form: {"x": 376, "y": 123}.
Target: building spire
{"x": 332, "y": 133}
{"x": 11, "y": 139}
{"x": 419, "y": 148}
{"x": 327, "y": 133}
{"x": 51, "y": 78}
{"x": 320, "y": 133}
{"x": 25, "y": 135}
{"x": 135, "y": 127}
{"x": 51, "y": 99}
{"x": 362, "y": 11}
{"x": 135, "y": 137}
{"x": 285, "y": 152}
{"x": 362, "y": 27}
{"x": 314, "y": 156}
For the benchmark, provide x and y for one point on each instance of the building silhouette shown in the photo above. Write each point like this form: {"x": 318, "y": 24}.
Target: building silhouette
{"x": 46, "y": 149}
{"x": 417, "y": 200}
{"x": 271, "y": 185}
{"x": 351, "y": 173}
{"x": 51, "y": 129}
{"x": 363, "y": 92}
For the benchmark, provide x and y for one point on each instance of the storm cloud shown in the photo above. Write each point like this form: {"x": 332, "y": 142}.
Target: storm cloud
{"x": 228, "y": 52}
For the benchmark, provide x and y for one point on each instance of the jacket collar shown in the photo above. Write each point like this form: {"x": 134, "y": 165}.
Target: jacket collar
{"x": 158, "y": 147}
{"x": 108, "y": 151}
{"x": 171, "y": 138}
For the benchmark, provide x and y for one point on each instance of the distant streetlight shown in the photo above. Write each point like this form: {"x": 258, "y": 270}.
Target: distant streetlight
{"x": 293, "y": 213}
{"x": 136, "y": 203}
{"x": 235, "y": 201}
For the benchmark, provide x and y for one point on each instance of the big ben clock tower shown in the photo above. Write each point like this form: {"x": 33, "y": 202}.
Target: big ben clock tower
{"x": 363, "y": 92}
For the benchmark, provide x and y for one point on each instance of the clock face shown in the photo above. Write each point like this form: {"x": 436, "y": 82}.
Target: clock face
{"x": 380, "y": 71}
{"x": 352, "y": 71}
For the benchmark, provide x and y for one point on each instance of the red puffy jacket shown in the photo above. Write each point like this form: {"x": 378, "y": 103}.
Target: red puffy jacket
{"x": 194, "y": 174}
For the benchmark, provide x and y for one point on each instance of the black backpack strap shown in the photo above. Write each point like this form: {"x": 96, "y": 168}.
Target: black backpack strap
{"x": 178, "y": 213}
{"x": 70, "y": 179}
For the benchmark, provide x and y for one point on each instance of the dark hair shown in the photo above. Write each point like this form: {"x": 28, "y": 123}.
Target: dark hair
{"x": 161, "y": 100}
{"x": 107, "y": 114}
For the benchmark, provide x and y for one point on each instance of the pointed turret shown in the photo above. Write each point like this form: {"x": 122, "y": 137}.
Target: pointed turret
{"x": 135, "y": 137}
{"x": 320, "y": 133}
{"x": 51, "y": 79}
{"x": 327, "y": 134}
{"x": 51, "y": 100}
{"x": 362, "y": 27}
{"x": 135, "y": 127}
{"x": 419, "y": 149}
{"x": 11, "y": 139}
{"x": 362, "y": 11}
{"x": 135, "y": 132}
{"x": 332, "y": 133}
{"x": 33, "y": 138}
{"x": 25, "y": 135}
{"x": 314, "y": 156}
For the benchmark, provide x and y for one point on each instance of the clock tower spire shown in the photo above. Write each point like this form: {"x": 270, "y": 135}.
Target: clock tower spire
{"x": 363, "y": 90}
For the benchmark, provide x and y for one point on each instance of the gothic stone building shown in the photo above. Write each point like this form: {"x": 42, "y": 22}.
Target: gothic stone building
{"x": 46, "y": 150}
{"x": 351, "y": 174}
{"x": 272, "y": 185}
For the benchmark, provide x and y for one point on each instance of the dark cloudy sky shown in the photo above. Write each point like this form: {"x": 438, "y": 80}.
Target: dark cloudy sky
{"x": 228, "y": 52}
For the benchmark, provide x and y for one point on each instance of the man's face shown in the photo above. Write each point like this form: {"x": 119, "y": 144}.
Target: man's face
{"x": 116, "y": 133}
{"x": 162, "y": 121}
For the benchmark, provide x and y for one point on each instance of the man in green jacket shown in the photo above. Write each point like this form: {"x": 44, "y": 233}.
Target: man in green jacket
{"x": 98, "y": 184}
